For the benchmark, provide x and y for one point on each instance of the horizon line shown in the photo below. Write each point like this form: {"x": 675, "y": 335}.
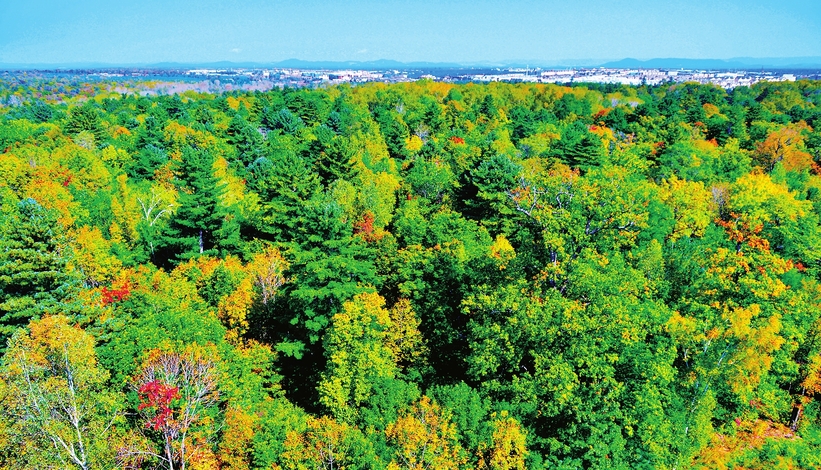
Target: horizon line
{"x": 740, "y": 63}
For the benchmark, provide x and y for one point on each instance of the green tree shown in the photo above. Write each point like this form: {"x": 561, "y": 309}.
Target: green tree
{"x": 201, "y": 225}
{"x": 286, "y": 184}
{"x": 578, "y": 147}
{"x": 332, "y": 155}
{"x": 86, "y": 118}
{"x": 590, "y": 371}
{"x": 34, "y": 274}
{"x": 245, "y": 139}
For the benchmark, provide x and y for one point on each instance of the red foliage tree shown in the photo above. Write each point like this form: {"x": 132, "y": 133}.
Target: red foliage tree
{"x": 157, "y": 396}
{"x": 111, "y": 296}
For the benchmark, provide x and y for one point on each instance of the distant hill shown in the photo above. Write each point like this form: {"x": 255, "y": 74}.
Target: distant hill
{"x": 381, "y": 64}
{"x": 744, "y": 63}
{"x": 738, "y": 63}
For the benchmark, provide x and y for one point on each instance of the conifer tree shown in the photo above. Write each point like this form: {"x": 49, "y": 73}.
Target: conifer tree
{"x": 201, "y": 225}
{"x": 86, "y": 118}
{"x": 245, "y": 138}
{"x": 34, "y": 279}
{"x": 285, "y": 184}
{"x": 331, "y": 154}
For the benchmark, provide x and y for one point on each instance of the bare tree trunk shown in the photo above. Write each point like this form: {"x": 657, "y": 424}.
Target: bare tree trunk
{"x": 168, "y": 452}
{"x": 794, "y": 424}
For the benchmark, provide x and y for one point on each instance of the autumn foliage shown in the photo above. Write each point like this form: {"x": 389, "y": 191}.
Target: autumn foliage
{"x": 156, "y": 398}
{"x": 417, "y": 275}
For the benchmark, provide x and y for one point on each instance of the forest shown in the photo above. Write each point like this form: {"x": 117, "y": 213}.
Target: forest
{"x": 420, "y": 275}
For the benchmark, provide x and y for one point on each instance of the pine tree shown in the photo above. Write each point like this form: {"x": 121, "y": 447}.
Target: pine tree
{"x": 33, "y": 267}
{"x": 201, "y": 225}
{"x": 86, "y": 118}
{"x": 578, "y": 147}
{"x": 331, "y": 155}
{"x": 245, "y": 139}
{"x": 285, "y": 183}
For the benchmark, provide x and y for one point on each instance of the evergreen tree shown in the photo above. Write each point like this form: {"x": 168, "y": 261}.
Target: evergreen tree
{"x": 34, "y": 279}
{"x": 201, "y": 225}
{"x": 331, "y": 155}
{"x": 86, "y": 118}
{"x": 578, "y": 147}
{"x": 283, "y": 120}
{"x": 245, "y": 139}
{"x": 285, "y": 183}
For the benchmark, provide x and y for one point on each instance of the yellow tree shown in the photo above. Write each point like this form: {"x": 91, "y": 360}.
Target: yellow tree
{"x": 357, "y": 354}
{"x": 756, "y": 339}
{"x": 326, "y": 444}
{"x": 691, "y": 204}
{"x": 758, "y": 207}
{"x": 508, "y": 450}
{"x": 236, "y": 444}
{"x": 403, "y": 338}
{"x": 55, "y": 408}
{"x": 268, "y": 272}
{"x": 92, "y": 256}
{"x": 425, "y": 438}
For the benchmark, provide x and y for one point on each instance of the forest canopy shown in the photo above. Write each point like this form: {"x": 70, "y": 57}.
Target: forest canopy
{"x": 411, "y": 276}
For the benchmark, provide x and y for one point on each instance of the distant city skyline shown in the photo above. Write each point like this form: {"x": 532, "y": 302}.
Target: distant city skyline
{"x": 456, "y": 31}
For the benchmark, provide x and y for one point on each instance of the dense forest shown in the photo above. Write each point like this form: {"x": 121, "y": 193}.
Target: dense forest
{"x": 411, "y": 276}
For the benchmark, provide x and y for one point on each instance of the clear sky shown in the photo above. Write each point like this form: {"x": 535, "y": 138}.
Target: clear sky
{"x": 466, "y": 31}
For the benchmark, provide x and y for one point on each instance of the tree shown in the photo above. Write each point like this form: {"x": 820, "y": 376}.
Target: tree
{"x": 494, "y": 179}
{"x": 403, "y": 338}
{"x": 578, "y": 147}
{"x": 393, "y": 129}
{"x": 268, "y": 272}
{"x": 150, "y": 147}
{"x": 178, "y": 392}
{"x": 285, "y": 183}
{"x": 690, "y": 203}
{"x": 56, "y": 403}
{"x": 508, "y": 450}
{"x": 246, "y": 140}
{"x": 786, "y": 145}
{"x": 93, "y": 258}
{"x": 358, "y": 355}
{"x": 201, "y": 224}
{"x": 327, "y": 444}
{"x": 160, "y": 311}
{"x": 34, "y": 274}
{"x": 86, "y": 118}
{"x": 603, "y": 210}
{"x": 432, "y": 180}
{"x": 424, "y": 438}
{"x": 332, "y": 155}
{"x": 332, "y": 267}
{"x": 283, "y": 120}
{"x": 590, "y": 368}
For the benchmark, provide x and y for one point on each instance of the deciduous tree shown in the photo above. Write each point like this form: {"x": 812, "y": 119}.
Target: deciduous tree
{"x": 56, "y": 404}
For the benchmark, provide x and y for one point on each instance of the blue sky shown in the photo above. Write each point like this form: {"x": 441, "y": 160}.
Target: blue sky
{"x": 147, "y": 31}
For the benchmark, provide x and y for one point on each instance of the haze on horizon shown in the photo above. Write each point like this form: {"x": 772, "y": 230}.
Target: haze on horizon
{"x": 464, "y": 31}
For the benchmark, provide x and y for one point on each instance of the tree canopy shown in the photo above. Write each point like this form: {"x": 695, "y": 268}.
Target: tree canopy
{"x": 414, "y": 275}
